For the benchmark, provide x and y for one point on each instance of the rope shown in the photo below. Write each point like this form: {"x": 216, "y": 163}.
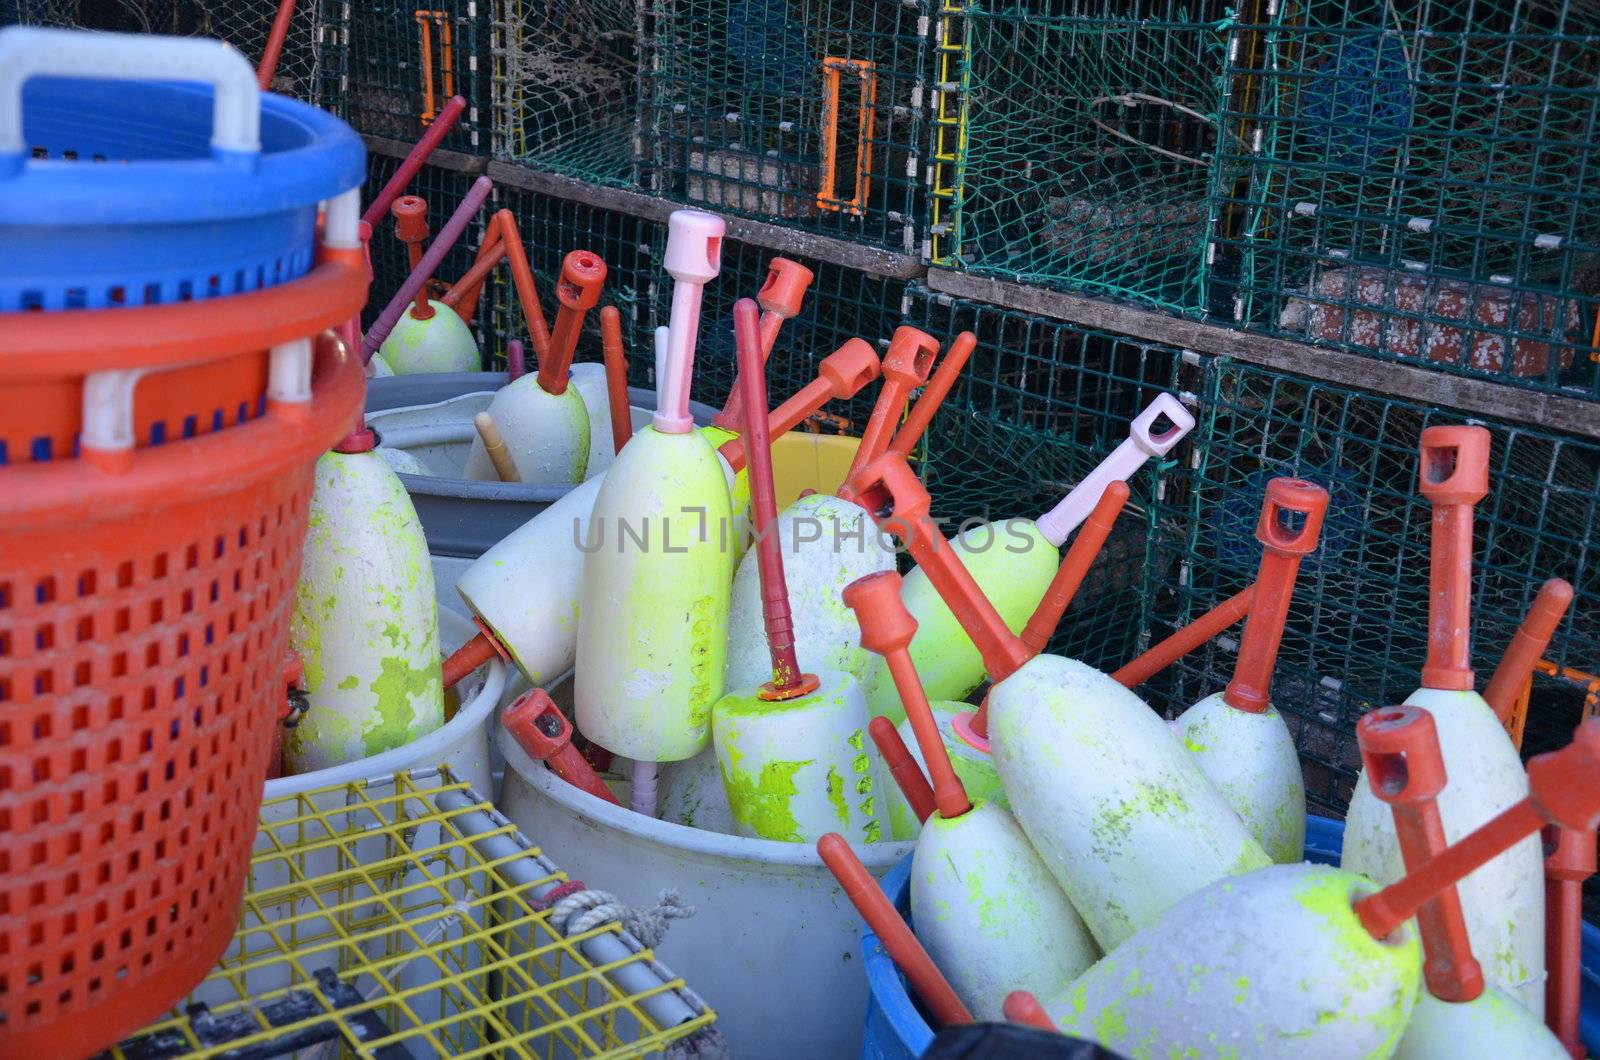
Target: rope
{"x": 587, "y": 910}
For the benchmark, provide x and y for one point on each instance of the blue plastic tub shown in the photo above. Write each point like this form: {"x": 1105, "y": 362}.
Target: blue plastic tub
{"x": 118, "y": 195}
{"x": 896, "y": 1030}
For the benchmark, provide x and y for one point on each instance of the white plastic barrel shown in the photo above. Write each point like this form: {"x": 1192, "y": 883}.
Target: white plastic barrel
{"x": 773, "y": 946}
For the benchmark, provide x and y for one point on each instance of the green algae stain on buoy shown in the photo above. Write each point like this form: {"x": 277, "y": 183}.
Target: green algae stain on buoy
{"x": 1277, "y": 963}
{"x": 365, "y": 620}
{"x": 439, "y": 343}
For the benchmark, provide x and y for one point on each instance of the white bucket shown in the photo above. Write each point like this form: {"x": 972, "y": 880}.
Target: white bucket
{"x": 774, "y": 946}
{"x": 462, "y": 743}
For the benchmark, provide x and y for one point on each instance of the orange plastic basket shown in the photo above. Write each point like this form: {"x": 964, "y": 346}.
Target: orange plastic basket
{"x": 145, "y": 591}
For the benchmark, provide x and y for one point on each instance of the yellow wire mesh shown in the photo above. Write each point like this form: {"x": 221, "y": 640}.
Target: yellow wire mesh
{"x": 379, "y": 924}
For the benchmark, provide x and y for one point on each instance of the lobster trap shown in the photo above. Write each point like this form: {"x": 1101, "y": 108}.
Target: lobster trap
{"x": 808, "y": 113}
{"x": 406, "y": 60}
{"x": 405, "y": 916}
{"x": 1040, "y": 404}
{"x": 1357, "y": 630}
{"x": 1084, "y": 143}
{"x": 1417, "y": 182}
{"x": 310, "y": 67}
{"x": 566, "y": 81}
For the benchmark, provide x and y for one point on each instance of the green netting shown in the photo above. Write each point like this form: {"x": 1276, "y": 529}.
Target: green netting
{"x": 1419, "y": 182}
{"x": 566, "y": 87}
{"x": 1039, "y": 405}
{"x": 735, "y": 115}
{"x": 552, "y": 228}
{"x": 309, "y": 67}
{"x": 1090, "y": 140}
{"x": 407, "y": 59}
{"x": 442, "y": 190}
{"x": 1357, "y": 631}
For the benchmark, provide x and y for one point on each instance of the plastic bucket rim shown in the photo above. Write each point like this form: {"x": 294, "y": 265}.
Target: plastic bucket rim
{"x": 769, "y": 853}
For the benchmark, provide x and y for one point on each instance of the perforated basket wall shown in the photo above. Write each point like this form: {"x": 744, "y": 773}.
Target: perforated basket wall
{"x": 1356, "y": 636}
{"x": 407, "y": 59}
{"x": 1089, "y": 143}
{"x": 141, "y": 672}
{"x": 737, "y": 112}
{"x": 1418, "y": 182}
{"x": 1040, "y": 404}
{"x": 566, "y": 81}
{"x": 310, "y": 67}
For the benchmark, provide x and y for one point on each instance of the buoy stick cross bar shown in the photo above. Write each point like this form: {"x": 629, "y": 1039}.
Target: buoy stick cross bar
{"x": 1400, "y": 750}
{"x": 938, "y": 388}
{"x": 693, "y": 258}
{"x": 582, "y": 275}
{"x": 889, "y": 490}
{"x": 503, "y": 239}
{"x": 544, "y": 733}
{"x": 1282, "y": 550}
{"x": 906, "y": 366}
{"x": 841, "y": 374}
{"x": 780, "y": 298}
{"x": 1454, "y": 476}
{"x": 1564, "y": 792}
{"x": 887, "y": 629}
{"x": 1141, "y": 444}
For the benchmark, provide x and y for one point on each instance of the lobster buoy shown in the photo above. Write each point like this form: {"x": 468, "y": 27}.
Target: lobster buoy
{"x": 986, "y": 908}
{"x": 544, "y": 420}
{"x": 524, "y": 590}
{"x": 1120, "y": 814}
{"x": 439, "y": 342}
{"x": 1504, "y": 902}
{"x": 652, "y": 617}
{"x": 365, "y": 621}
{"x": 1013, "y": 562}
{"x": 1237, "y": 736}
{"x": 827, "y": 542}
{"x": 791, "y": 749}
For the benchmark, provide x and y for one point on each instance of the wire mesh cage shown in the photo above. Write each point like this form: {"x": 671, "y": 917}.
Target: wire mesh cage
{"x": 1417, "y": 182}
{"x": 310, "y": 67}
{"x": 1357, "y": 629}
{"x": 406, "y": 60}
{"x": 1089, "y": 145}
{"x": 805, "y": 112}
{"x": 442, "y": 190}
{"x": 405, "y": 916}
{"x": 566, "y": 83}
{"x": 1040, "y": 404}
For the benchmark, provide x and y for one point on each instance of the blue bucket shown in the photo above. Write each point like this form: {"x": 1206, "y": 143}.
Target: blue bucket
{"x": 174, "y": 181}
{"x": 896, "y": 1030}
